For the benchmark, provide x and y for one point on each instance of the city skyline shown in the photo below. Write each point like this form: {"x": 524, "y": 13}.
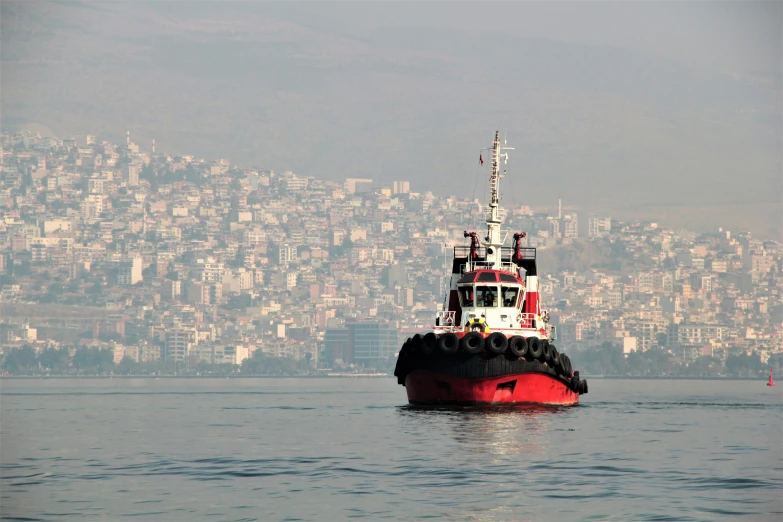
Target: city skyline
{"x": 186, "y": 260}
{"x": 554, "y": 204}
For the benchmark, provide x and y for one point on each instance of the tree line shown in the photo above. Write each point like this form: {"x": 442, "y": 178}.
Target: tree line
{"x": 606, "y": 359}
{"x": 609, "y": 359}
{"x": 94, "y": 361}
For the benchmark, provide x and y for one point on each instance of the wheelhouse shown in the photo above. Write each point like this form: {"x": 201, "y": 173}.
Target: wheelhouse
{"x": 490, "y": 295}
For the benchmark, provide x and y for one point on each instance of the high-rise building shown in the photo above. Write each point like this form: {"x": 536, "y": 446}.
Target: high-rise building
{"x": 296, "y": 184}
{"x": 403, "y": 296}
{"x": 208, "y": 269}
{"x": 170, "y": 289}
{"x": 365, "y": 343}
{"x": 337, "y": 346}
{"x": 203, "y": 293}
{"x": 178, "y": 343}
{"x": 373, "y": 342}
{"x": 96, "y": 185}
{"x": 92, "y": 206}
{"x": 598, "y": 226}
{"x": 357, "y": 185}
{"x": 132, "y": 174}
{"x": 129, "y": 272}
{"x": 570, "y": 225}
{"x": 695, "y": 333}
{"x": 555, "y": 228}
{"x": 254, "y": 236}
{"x": 284, "y": 254}
{"x": 401, "y": 187}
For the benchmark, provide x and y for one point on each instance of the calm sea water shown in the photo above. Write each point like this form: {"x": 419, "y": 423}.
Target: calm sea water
{"x": 342, "y": 448}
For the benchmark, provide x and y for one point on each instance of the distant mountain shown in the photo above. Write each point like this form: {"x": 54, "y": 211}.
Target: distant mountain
{"x": 607, "y": 129}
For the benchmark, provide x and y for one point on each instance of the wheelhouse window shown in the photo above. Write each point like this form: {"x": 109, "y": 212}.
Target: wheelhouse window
{"x": 487, "y": 296}
{"x": 510, "y": 294}
{"x": 466, "y": 296}
{"x": 486, "y": 277}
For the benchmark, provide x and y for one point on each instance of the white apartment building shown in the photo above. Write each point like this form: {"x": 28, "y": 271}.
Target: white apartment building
{"x": 129, "y": 272}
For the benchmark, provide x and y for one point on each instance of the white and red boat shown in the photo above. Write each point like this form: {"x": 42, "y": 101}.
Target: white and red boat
{"x": 492, "y": 342}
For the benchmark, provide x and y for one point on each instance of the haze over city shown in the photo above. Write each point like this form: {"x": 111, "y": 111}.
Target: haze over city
{"x": 263, "y": 260}
{"x": 670, "y": 112}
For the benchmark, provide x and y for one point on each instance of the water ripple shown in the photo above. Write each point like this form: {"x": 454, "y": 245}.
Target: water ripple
{"x": 234, "y": 454}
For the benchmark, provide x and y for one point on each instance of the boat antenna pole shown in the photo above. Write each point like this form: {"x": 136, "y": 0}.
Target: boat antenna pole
{"x": 445, "y": 275}
{"x": 493, "y": 240}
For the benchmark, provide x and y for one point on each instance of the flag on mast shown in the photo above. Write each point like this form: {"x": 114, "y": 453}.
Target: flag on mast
{"x": 481, "y": 159}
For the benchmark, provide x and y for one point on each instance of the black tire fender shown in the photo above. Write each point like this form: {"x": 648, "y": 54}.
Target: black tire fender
{"x": 496, "y": 343}
{"x": 546, "y": 351}
{"x": 557, "y": 364}
{"x": 448, "y": 343}
{"x": 517, "y": 346}
{"x": 415, "y": 344}
{"x": 428, "y": 343}
{"x": 575, "y": 383}
{"x": 471, "y": 343}
{"x": 567, "y": 368}
{"x": 534, "y": 348}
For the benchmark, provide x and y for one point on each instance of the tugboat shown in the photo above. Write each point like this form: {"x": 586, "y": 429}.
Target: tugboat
{"x": 492, "y": 343}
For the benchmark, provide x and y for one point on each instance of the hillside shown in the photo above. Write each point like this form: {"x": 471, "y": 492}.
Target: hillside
{"x": 609, "y": 130}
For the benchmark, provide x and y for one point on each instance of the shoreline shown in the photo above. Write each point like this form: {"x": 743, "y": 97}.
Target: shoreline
{"x": 348, "y": 375}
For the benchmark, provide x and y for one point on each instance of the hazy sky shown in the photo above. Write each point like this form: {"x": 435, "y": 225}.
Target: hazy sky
{"x": 669, "y": 110}
{"x": 735, "y": 36}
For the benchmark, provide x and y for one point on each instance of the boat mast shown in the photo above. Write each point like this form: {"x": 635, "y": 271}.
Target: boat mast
{"x": 493, "y": 241}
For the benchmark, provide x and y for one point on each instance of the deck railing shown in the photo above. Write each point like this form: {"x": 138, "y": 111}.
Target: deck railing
{"x": 445, "y": 321}
{"x": 507, "y": 253}
{"x": 479, "y": 261}
{"x": 446, "y": 318}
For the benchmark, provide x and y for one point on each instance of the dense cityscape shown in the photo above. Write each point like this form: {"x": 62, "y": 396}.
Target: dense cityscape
{"x": 118, "y": 260}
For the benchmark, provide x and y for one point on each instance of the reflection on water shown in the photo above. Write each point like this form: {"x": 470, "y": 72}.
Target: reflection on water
{"x": 528, "y": 410}
{"x": 494, "y": 430}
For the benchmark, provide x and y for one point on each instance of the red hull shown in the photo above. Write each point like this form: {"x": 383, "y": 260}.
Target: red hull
{"x": 428, "y": 388}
